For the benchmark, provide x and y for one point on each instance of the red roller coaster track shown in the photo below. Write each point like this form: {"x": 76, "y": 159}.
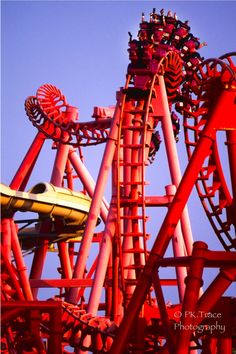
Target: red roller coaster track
{"x": 108, "y": 292}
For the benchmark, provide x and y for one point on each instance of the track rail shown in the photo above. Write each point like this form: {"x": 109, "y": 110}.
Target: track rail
{"x": 50, "y": 113}
{"x": 212, "y": 188}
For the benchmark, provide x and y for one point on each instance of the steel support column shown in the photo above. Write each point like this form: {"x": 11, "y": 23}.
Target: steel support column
{"x": 161, "y": 243}
{"x": 24, "y": 171}
{"x": 173, "y": 159}
{"x": 96, "y": 203}
{"x": 193, "y": 285}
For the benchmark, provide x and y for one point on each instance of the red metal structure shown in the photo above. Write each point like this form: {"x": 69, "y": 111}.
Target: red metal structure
{"x": 108, "y": 293}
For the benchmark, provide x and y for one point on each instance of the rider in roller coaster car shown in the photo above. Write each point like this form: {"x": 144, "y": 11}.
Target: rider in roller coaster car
{"x": 156, "y": 138}
{"x": 154, "y": 146}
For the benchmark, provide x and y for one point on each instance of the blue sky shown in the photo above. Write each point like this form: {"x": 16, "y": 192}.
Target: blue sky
{"x": 81, "y": 47}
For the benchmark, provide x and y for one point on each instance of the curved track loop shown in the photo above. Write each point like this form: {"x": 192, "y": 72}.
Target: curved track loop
{"x": 171, "y": 66}
{"x": 207, "y": 81}
{"x": 41, "y": 120}
{"x": 51, "y": 114}
{"x": 230, "y": 59}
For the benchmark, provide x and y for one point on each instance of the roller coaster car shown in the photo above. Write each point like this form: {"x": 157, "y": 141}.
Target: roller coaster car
{"x": 180, "y": 34}
{"x": 133, "y": 50}
{"x": 31, "y": 237}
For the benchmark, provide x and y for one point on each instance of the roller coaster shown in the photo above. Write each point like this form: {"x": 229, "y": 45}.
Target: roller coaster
{"x": 108, "y": 292}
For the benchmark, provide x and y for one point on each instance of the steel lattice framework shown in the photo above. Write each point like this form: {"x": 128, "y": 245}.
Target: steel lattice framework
{"x": 116, "y": 303}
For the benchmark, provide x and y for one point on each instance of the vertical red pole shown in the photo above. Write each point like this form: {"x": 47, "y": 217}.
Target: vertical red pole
{"x": 96, "y": 203}
{"x": 59, "y": 165}
{"x": 87, "y": 180}
{"x": 69, "y": 175}
{"x": 71, "y": 114}
{"x": 178, "y": 248}
{"x": 57, "y": 180}
{"x": 55, "y": 338}
{"x": 23, "y": 173}
{"x": 225, "y": 346}
{"x": 20, "y": 264}
{"x": 173, "y": 159}
{"x": 103, "y": 258}
{"x": 108, "y": 294}
{"x": 231, "y": 144}
{"x": 39, "y": 257}
{"x": 6, "y": 237}
{"x": 117, "y": 274}
{"x": 193, "y": 285}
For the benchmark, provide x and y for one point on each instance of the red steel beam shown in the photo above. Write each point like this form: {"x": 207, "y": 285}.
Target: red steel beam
{"x": 60, "y": 283}
{"x": 193, "y": 284}
{"x": 20, "y": 264}
{"x": 215, "y": 290}
{"x": 161, "y": 243}
{"x": 172, "y": 156}
{"x": 24, "y": 171}
{"x": 96, "y": 203}
{"x": 231, "y": 145}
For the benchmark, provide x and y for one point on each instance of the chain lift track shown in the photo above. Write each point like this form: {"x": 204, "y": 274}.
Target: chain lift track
{"x": 116, "y": 304}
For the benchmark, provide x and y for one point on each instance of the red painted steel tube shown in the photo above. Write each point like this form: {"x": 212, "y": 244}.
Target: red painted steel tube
{"x": 60, "y": 283}
{"x": 69, "y": 175}
{"x": 215, "y": 290}
{"x": 202, "y": 150}
{"x": 55, "y": 338}
{"x": 65, "y": 260}
{"x": 231, "y": 144}
{"x": 23, "y": 173}
{"x": 178, "y": 248}
{"x": 108, "y": 290}
{"x": 96, "y": 203}
{"x": 57, "y": 180}
{"x": 87, "y": 180}
{"x": 38, "y": 263}
{"x": 27, "y": 305}
{"x": 193, "y": 285}
{"x": 6, "y": 238}
{"x": 39, "y": 258}
{"x": 59, "y": 165}
{"x": 225, "y": 346}
{"x": 103, "y": 258}
{"x": 173, "y": 159}
{"x": 20, "y": 264}
{"x": 116, "y": 294}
